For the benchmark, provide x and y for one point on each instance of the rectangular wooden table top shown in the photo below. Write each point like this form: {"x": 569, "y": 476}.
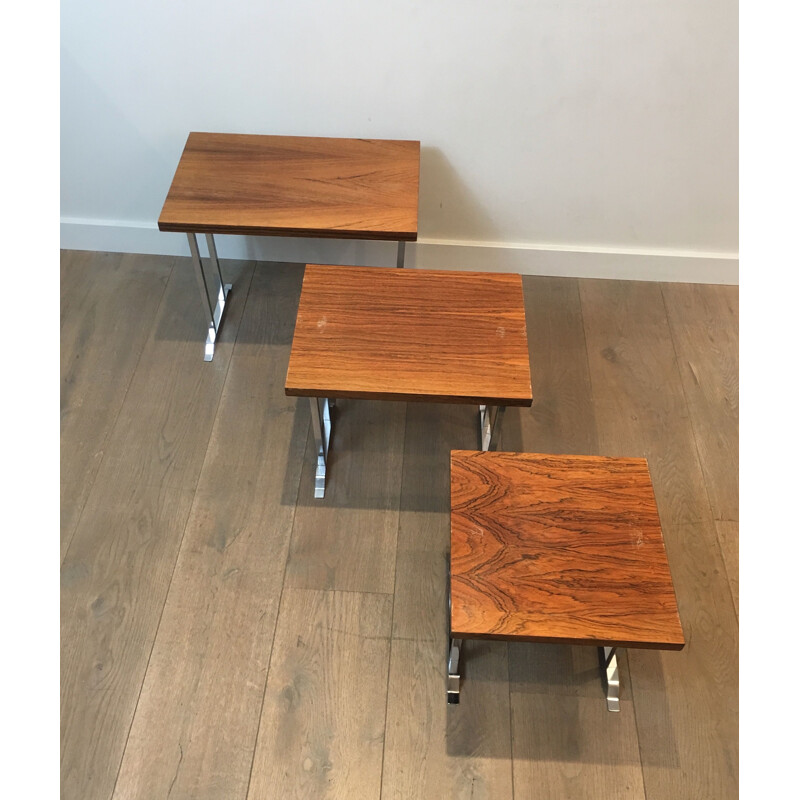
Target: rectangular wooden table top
{"x": 395, "y": 334}
{"x": 564, "y": 549}
{"x": 295, "y": 186}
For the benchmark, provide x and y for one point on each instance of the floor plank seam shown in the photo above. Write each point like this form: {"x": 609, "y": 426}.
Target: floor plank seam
{"x": 394, "y": 599}
{"x": 703, "y": 471}
{"x": 510, "y": 721}
{"x": 174, "y": 566}
{"x": 636, "y": 726}
{"x": 275, "y": 625}
{"x": 563, "y": 742}
{"x": 587, "y": 368}
{"x": 112, "y": 427}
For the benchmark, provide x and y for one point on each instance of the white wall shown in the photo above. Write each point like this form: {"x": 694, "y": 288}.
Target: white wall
{"x": 590, "y": 137}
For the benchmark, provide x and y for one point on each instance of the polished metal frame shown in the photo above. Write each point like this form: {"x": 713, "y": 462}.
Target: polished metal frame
{"x": 322, "y": 426}
{"x": 608, "y": 661}
{"x": 453, "y": 674}
{"x": 610, "y": 674}
{"x": 489, "y": 420}
{"x": 221, "y": 292}
{"x": 489, "y": 426}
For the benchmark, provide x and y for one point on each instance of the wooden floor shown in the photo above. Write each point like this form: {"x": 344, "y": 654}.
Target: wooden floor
{"x": 225, "y": 635}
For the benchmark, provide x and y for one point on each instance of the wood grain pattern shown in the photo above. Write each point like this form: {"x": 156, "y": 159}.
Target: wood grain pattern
{"x": 423, "y": 536}
{"x": 686, "y": 707}
{"x": 704, "y": 326}
{"x": 117, "y": 571}
{"x": 295, "y": 186}
{"x": 728, "y": 536}
{"x": 569, "y": 746}
{"x": 194, "y": 696}
{"x": 194, "y": 731}
{"x": 423, "y": 335}
{"x": 347, "y": 540}
{"x": 559, "y": 549}
{"x": 108, "y": 304}
{"x": 437, "y": 750}
{"x": 562, "y": 417}
{"x": 323, "y": 718}
{"x": 434, "y": 749}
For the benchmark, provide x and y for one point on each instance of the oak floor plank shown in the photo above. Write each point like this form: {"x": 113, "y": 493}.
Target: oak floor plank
{"x": 537, "y": 668}
{"x": 176, "y": 463}
{"x": 704, "y": 321}
{"x": 432, "y": 430}
{"x": 108, "y": 304}
{"x": 561, "y": 420}
{"x": 432, "y": 749}
{"x": 81, "y": 272}
{"x": 639, "y": 405}
{"x": 438, "y": 750}
{"x": 641, "y": 411}
{"x": 704, "y": 326}
{"x": 117, "y": 569}
{"x": 347, "y": 539}
{"x": 728, "y": 535}
{"x": 194, "y": 731}
{"x": 322, "y": 724}
{"x": 571, "y": 746}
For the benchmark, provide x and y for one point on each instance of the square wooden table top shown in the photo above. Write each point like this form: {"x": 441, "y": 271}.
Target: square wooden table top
{"x": 295, "y": 186}
{"x": 564, "y": 549}
{"x": 410, "y": 334}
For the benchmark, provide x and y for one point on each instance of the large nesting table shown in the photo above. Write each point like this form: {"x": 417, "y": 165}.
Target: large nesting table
{"x": 563, "y": 549}
{"x": 289, "y": 186}
{"x": 415, "y": 335}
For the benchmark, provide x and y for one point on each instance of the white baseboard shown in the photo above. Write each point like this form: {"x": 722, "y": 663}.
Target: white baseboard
{"x": 527, "y": 259}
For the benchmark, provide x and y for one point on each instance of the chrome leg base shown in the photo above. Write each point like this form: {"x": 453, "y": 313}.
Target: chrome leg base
{"x": 489, "y": 426}
{"x": 215, "y": 313}
{"x": 214, "y": 325}
{"x": 610, "y": 674}
{"x": 453, "y": 675}
{"x": 321, "y": 425}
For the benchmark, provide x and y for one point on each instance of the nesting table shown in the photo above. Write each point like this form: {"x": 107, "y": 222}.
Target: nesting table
{"x": 415, "y": 335}
{"x": 288, "y": 186}
{"x": 562, "y": 549}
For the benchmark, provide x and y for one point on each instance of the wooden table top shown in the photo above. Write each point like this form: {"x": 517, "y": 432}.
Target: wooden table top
{"x": 295, "y": 186}
{"x": 564, "y": 549}
{"x": 410, "y": 334}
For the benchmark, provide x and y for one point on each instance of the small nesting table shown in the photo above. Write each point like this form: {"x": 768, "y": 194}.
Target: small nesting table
{"x": 416, "y": 335}
{"x": 289, "y": 186}
{"x": 560, "y": 549}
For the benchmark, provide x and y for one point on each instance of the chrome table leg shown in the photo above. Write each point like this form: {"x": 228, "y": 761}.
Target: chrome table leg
{"x": 453, "y": 675}
{"x": 608, "y": 658}
{"x": 490, "y": 426}
{"x": 321, "y": 425}
{"x": 401, "y": 254}
{"x": 223, "y": 289}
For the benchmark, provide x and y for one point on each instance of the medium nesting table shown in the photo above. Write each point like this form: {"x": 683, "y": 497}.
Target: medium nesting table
{"x": 289, "y": 186}
{"x": 414, "y": 335}
{"x": 560, "y": 549}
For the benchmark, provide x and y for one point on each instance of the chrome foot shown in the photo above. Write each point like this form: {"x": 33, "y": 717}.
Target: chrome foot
{"x": 321, "y": 425}
{"x": 610, "y": 673}
{"x": 222, "y": 290}
{"x": 214, "y": 325}
{"x": 453, "y": 676}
